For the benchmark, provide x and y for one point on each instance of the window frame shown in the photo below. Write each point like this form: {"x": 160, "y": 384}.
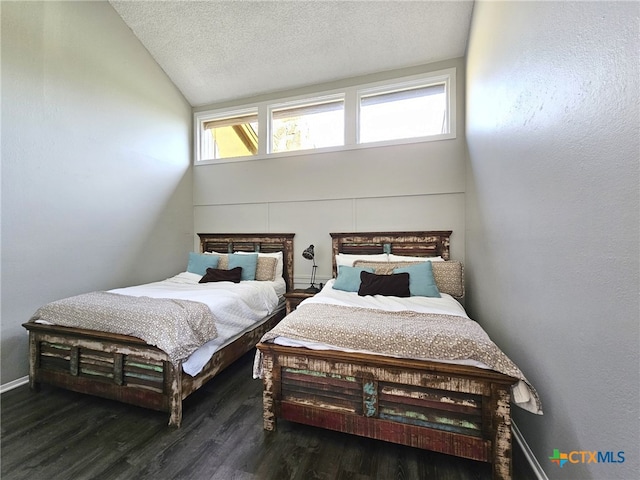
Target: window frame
{"x": 352, "y": 95}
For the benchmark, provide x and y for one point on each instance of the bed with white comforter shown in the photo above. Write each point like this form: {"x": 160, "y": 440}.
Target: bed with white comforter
{"x": 233, "y": 309}
{"x": 153, "y": 345}
{"x": 385, "y": 351}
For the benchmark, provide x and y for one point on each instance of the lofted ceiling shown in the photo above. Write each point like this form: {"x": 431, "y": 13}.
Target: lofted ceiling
{"x": 218, "y": 50}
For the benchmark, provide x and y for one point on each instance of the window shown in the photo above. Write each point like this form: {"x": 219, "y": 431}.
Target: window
{"x": 418, "y": 108}
{"x": 302, "y": 126}
{"x": 401, "y": 113}
{"x": 229, "y": 136}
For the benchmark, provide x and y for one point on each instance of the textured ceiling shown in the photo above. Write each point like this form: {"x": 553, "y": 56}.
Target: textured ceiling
{"x": 217, "y": 50}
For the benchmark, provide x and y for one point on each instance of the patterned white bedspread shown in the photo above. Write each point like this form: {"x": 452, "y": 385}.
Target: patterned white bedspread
{"x": 178, "y": 327}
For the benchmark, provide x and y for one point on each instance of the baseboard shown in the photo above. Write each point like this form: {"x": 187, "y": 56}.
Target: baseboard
{"x": 531, "y": 458}
{"x": 15, "y": 384}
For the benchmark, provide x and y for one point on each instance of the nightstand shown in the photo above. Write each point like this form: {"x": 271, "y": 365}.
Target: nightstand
{"x": 294, "y": 297}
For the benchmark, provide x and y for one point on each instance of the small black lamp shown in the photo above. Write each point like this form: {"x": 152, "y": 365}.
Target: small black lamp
{"x": 310, "y": 255}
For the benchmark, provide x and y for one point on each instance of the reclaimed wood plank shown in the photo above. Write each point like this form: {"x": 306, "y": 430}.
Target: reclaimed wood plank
{"x": 502, "y": 458}
{"x": 370, "y": 396}
{"x": 74, "y": 361}
{"x": 410, "y": 435}
{"x": 118, "y": 369}
{"x": 270, "y": 382}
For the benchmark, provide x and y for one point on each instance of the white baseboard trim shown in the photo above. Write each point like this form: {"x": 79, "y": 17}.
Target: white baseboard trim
{"x": 15, "y": 384}
{"x": 531, "y": 458}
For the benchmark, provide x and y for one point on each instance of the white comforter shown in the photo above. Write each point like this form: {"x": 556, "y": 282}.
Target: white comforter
{"x": 237, "y": 307}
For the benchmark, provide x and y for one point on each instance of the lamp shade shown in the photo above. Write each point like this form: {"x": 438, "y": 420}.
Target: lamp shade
{"x": 308, "y": 253}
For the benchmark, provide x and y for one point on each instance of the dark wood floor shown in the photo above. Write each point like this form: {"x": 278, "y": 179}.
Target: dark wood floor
{"x": 56, "y": 434}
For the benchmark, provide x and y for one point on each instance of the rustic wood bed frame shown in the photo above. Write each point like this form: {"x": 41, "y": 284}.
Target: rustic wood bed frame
{"x": 127, "y": 369}
{"x": 453, "y": 409}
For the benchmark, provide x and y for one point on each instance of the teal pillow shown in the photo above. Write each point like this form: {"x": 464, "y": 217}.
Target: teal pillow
{"x": 421, "y": 281}
{"x": 199, "y": 262}
{"x": 349, "y": 278}
{"x": 247, "y": 262}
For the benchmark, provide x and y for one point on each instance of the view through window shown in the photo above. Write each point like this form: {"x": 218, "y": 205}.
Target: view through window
{"x": 409, "y": 113}
{"x": 229, "y": 137}
{"x": 307, "y": 126}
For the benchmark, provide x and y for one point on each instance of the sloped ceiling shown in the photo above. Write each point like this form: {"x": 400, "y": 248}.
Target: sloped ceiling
{"x": 216, "y": 51}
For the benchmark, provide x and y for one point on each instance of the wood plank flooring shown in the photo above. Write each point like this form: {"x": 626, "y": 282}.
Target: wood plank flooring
{"x": 56, "y": 434}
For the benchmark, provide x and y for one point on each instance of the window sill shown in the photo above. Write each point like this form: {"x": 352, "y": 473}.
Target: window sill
{"x": 342, "y": 148}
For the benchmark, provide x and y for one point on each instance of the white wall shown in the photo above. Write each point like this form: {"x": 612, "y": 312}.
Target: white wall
{"x": 406, "y": 187}
{"x": 96, "y": 176}
{"x": 553, "y": 217}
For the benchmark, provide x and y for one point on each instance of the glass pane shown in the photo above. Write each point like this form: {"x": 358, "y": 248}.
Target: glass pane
{"x": 308, "y": 126}
{"x": 409, "y": 113}
{"x": 229, "y": 137}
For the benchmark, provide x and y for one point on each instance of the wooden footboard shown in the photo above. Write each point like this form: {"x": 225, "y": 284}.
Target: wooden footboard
{"x": 124, "y": 368}
{"x": 457, "y": 410}
{"x": 112, "y": 366}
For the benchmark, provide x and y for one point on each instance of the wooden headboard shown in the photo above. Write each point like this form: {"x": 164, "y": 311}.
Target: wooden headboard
{"x": 253, "y": 242}
{"x": 415, "y": 244}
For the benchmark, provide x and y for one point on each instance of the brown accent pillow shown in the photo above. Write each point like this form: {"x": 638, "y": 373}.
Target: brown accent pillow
{"x": 218, "y": 275}
{"x": 266, "y": 268}
{"x": 395, "y": 285}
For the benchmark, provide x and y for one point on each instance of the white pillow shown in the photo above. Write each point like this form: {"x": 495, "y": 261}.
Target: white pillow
{"x": 276, "y": 255}
{"x": 348, "y": 259}
{"x": 402, "y": 258}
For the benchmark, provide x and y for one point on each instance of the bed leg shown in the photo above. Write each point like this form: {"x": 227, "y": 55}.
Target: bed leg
{"x": 175, "y": 420}
{"x": 502, "y": 464}
{"x": 173, "y": 379}
{"x": 33, "y": 385}
{"x": 269, "y": 417}
{"x": 34, "y": 362}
